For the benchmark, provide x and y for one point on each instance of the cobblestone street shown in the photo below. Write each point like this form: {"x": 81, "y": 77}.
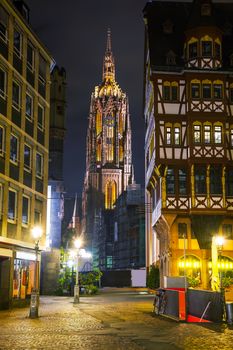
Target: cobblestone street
{"x": 107, "y": 321}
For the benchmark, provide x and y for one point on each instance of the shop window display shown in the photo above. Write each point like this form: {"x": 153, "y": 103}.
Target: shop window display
{"x": 23, "y": 278}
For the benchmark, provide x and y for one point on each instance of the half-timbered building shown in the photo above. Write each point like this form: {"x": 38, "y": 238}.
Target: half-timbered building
{"x": 188, "y": 109}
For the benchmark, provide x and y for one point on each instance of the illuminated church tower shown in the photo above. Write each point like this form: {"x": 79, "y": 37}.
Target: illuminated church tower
{"x": 109, "y": 166}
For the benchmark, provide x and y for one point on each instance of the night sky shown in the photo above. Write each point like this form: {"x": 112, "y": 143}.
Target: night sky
{"x": 75, "y": 33}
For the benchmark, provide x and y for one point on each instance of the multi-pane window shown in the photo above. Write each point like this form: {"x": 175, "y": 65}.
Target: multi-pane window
{"x": 166, "y": 92}
{"x": 170, "y": 181}
{"x": 217, "y": 134}
{"x": 3, "y": 23}
{"x": 206, "y": 91}
{"x": 29, "y": 106}
{"x": 207, "y": 134}
{"x": 14, "y": 148}
{"x": 168, "y": 136}
{"x": 16, "y": 95}
{"x": 215, "y": 180}
{"x": 25, "y": 210}
{"x": 2, "y": 83}
{"x": 193, "y": 50}
{"x": 170, "y": 91}
{"x": 27, "y": 157}
{"x": 182, "y": 182}
{"x": 229, "y": 182}
{"x": 227, "y": 231}
{"x": 182, "y": 230}
{"x": 2, "y": 136}
{"x": 30, "y": 56}
{"x": 12, "y": 205}
{"x": 42, "y": 69}
{"x": 176, "y": 136}
{"x": 40, "y": 117}
{"x": 174, "y": 93}
{"x": 195, "y": 90}
{"x": 17, "y": 42}
{"x": 39, "y": 165}
{"x": 206, "y": 48}
{"x": 197, "y": 133}
{"x": 200, "y": 180}
{"x": 217, "y": 91}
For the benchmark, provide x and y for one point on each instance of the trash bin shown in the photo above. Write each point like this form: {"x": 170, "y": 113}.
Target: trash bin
{"x": 229, "y": 312}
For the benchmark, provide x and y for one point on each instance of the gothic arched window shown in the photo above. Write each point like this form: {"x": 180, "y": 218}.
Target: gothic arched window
{"x": 110, "y": 194}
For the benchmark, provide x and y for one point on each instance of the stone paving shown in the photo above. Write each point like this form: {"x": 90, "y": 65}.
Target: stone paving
{"x": 118, "y": 321}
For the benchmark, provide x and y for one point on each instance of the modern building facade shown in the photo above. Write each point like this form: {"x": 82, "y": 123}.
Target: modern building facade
{"x": 24, "y": 143}
{"x": 188, "y": 106}
{"x": 108, "y": 150}
{"x": 129, "y": 229}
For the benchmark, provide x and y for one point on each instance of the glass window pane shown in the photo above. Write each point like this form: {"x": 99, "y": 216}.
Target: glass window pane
{"x": 218, "y": 134}
{"x": 17, "y": 42}
{"x": 217, "y": 51}
{"x": 166, "y": 93}
{"x": 27, "y": 157}
{"x": 11, "y": 205}
{"x": 200, "y": 180}
{"x": 14, "y": 149}
{"x": 193, "y": 50}
{"x": 174, "y": 93}
{"x": 206, "y": 91}
{"x": 29, "y": 106}
{"x": 39, "y": 165}
{"x": 177, "y": 136}
{"x": 182, "y": 182}
{"x": 182, "y": 230}
{"x": 197, "y": 133}
{"x": 206, "y": 48}
{"x": 168, "y": 136}
{"x": 16, "y": 95}
{"x": 217, "y": 91}
{"x": 215, "y": 180}
{"x": 1, "y": 140}
{"x": 30, "y": 57}
{"x": 40, "y": 117}
{"x": 195, "y": 90}
{"x": 25, "y": 210}
{"x": 170, "y": 181}
{"x": 207, "y": 134}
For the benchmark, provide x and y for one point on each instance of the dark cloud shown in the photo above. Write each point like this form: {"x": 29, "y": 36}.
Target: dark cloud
{"x": 75, "y": 33}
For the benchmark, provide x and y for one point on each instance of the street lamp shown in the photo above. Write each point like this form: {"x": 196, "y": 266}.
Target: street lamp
{"x": 77, "y": 244}
{"x": 34, "y": 304}
{"x": 219, "y": 241}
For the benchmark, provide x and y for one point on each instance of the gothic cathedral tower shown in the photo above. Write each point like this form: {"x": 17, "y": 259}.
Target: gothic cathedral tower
{"x": 109, "y": 166}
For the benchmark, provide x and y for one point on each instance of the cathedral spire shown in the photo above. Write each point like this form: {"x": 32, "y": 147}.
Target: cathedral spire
{"x": 109, "y": 65}
{"x": 109, "y": 41}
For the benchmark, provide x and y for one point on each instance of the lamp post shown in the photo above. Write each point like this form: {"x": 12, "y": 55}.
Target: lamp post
{"x": 219, "y": 240}
{"x": 78, "y": 244}
{"x": 34, "y": 304}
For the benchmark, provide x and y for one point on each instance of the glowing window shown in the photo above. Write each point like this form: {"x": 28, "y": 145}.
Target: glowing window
{"x": 110, "y": 194}
{"x": 217, "y": 134}
{"x": 197, "y": 133}
{"x": 177, "y": 136}
{"x": 168, "y": 136}
{"x": 207, "y": 134}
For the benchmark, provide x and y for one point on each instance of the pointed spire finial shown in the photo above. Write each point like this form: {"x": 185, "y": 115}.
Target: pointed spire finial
{"x": 109, "y": 43}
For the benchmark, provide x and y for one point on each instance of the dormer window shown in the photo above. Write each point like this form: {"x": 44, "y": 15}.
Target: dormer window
{"x": 170, "y": 58}
{"x": 168, "y": 27}
{"x": 206, "y": 48}
{"x": 206, "y": 10}
{"x": 193, "y": 50}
